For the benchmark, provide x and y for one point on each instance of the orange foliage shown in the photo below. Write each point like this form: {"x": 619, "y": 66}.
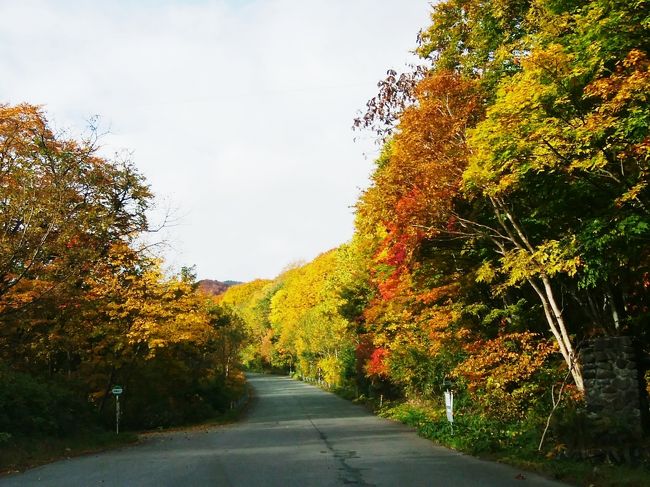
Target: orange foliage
{"x": 498, "y": 372}
{"x": 413, "y": 192}
{"x": 377, "y": 364}
{"x": 506, "y": 360}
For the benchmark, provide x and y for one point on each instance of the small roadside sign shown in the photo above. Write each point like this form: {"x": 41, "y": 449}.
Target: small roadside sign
{"x": 449, "y": 405}
{"x": 117, "y": 390}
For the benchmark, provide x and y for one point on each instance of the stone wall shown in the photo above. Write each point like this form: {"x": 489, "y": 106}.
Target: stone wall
{"x": 615, "y": 396}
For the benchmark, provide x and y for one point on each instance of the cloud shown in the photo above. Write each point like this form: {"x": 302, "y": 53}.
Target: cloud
{"x": 238, "y": 112}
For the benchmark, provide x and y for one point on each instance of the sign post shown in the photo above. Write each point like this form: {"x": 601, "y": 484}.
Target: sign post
{"x": 117, "y": 390}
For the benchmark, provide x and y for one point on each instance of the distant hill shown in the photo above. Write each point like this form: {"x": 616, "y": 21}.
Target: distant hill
{"x": 215, "y": 287}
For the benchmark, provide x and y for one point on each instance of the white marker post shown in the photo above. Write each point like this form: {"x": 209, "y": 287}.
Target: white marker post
{"x": 117, "y": 390}
{"x": 449, "y": 408}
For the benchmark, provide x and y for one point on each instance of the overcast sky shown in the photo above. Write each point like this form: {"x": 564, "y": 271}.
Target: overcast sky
{"x": 238, "y": 112}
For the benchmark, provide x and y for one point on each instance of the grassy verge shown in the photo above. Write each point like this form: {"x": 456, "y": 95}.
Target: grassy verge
{"x": 516, "y": 447}
{"x": 582, "y": 473}
{"x": 17, "y": 454}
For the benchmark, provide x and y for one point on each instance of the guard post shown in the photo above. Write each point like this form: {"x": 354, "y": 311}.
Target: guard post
{"x": 449, "y": 402}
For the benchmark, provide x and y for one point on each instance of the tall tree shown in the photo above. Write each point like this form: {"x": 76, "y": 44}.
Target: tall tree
{"x": 63, "y": 206}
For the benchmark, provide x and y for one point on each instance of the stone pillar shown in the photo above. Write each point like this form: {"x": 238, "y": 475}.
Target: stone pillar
{"x": 615, "y": 396}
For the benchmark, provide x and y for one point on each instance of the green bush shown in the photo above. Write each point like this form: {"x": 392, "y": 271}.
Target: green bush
{"x": 472, "y": 432}
{"x": 164, "y": 392}
{"x": 31, "y": 406}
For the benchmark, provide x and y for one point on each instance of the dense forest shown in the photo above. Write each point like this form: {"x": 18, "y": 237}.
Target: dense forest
{"x": 506, "y": 222}
{"x": 85, "y": 306}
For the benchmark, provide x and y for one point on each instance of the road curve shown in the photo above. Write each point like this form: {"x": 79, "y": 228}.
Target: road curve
{"x": 294, "y": 435}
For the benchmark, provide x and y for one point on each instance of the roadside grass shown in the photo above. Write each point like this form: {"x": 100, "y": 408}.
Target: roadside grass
{"x": 21, "y": 453}
{"x": 582, "y": 473}
{"x": 513, "y": 446}
{"x": 18, "y": 454}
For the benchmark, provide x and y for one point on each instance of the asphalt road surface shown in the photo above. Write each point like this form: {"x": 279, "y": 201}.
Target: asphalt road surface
{"x": 294, "y": 435}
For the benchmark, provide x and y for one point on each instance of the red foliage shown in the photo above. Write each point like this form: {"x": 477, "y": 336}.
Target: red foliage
{"x": 377, "y": 363}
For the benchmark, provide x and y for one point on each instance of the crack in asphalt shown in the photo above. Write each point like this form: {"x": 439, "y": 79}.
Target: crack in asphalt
{"x": 347, "y": 473}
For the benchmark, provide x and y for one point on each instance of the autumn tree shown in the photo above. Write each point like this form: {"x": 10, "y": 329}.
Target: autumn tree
{"x": 63, "y": 206}
{"x": 566, "y": 174}
{"x": 82, "y": 306}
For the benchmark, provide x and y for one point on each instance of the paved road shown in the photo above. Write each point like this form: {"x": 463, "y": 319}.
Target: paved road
{"x": 294, "y": 435}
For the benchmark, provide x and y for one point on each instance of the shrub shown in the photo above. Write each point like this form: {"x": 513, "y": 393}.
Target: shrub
{"x": 31, "y": 406}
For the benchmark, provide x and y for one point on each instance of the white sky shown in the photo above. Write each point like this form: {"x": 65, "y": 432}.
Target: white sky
{"x": 238, "y": 112}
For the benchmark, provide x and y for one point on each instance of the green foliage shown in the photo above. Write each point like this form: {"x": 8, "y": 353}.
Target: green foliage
{"x": 418, "y": 372}
{"x": 469, "y": 36}
{"x": 181, "y": 398}
{"x": 35, "y": 407}
{"x": 471, "y": 432}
